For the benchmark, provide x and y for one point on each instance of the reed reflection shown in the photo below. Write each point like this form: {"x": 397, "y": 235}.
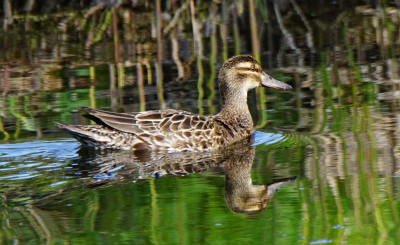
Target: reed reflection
{"x": 105, "y": 199}
{"x": 241, "y": 195}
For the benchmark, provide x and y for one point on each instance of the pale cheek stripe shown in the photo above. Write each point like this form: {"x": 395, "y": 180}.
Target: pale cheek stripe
{"x": 244, "y": 65}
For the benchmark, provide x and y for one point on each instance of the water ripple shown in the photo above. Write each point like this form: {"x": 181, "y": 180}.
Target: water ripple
{"x": 25, "y": 160}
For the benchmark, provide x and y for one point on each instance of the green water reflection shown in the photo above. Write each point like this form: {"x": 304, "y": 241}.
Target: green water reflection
{"x": 337, "y": 132}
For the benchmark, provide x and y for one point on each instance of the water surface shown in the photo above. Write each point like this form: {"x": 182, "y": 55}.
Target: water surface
{"x": 330, "y": 146}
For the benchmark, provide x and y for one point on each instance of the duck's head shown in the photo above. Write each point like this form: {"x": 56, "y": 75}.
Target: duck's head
{"x": 242, "y": 73}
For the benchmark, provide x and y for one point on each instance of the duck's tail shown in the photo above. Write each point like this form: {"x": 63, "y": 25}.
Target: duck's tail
{"x": 102, "y": 137}
{"x": 85, "y": 134}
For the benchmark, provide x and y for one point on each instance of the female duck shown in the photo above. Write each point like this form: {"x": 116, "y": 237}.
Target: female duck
{"x": 176, "y": 130}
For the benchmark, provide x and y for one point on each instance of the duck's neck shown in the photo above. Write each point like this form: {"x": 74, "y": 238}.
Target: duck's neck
{"x": 235, "y": 109}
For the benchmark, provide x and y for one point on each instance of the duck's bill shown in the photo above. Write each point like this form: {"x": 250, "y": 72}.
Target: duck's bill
{"x": 268, "y": 81}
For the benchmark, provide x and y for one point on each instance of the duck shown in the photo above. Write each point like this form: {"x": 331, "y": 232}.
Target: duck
{"x": 177, "y": 130}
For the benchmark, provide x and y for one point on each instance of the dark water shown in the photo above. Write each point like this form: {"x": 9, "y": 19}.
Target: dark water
{"x": 331, "y": 146}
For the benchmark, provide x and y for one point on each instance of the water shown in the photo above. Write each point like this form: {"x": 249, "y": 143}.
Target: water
{"x": 329, "y": 148}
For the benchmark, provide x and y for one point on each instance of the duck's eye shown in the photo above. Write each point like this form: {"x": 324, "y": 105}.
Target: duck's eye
{"x": 253, "y": 68}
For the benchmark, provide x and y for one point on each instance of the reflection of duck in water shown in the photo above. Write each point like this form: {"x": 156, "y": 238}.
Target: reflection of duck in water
{"x": 235, "y": 161}
{"x": 175, "y": 130}
{"x": 241, "y": 195}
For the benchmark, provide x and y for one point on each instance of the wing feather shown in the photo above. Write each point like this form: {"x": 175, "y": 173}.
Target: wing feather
{"x": 149, "y": 122}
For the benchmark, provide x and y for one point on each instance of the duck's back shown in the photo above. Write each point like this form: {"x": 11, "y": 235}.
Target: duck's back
{"x": 172, "y": 130}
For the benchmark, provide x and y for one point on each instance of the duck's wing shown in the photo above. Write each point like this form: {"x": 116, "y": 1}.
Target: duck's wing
{"x": 150, "y": 122}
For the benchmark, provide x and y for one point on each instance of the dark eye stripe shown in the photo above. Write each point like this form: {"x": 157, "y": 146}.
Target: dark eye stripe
{"x": 247, "y": 69}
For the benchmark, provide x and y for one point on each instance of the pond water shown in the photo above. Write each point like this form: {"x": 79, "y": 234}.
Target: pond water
{"x": 321, "y": 168}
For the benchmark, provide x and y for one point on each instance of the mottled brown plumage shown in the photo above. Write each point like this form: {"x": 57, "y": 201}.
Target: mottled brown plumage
{"x": 176, "y": 130}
